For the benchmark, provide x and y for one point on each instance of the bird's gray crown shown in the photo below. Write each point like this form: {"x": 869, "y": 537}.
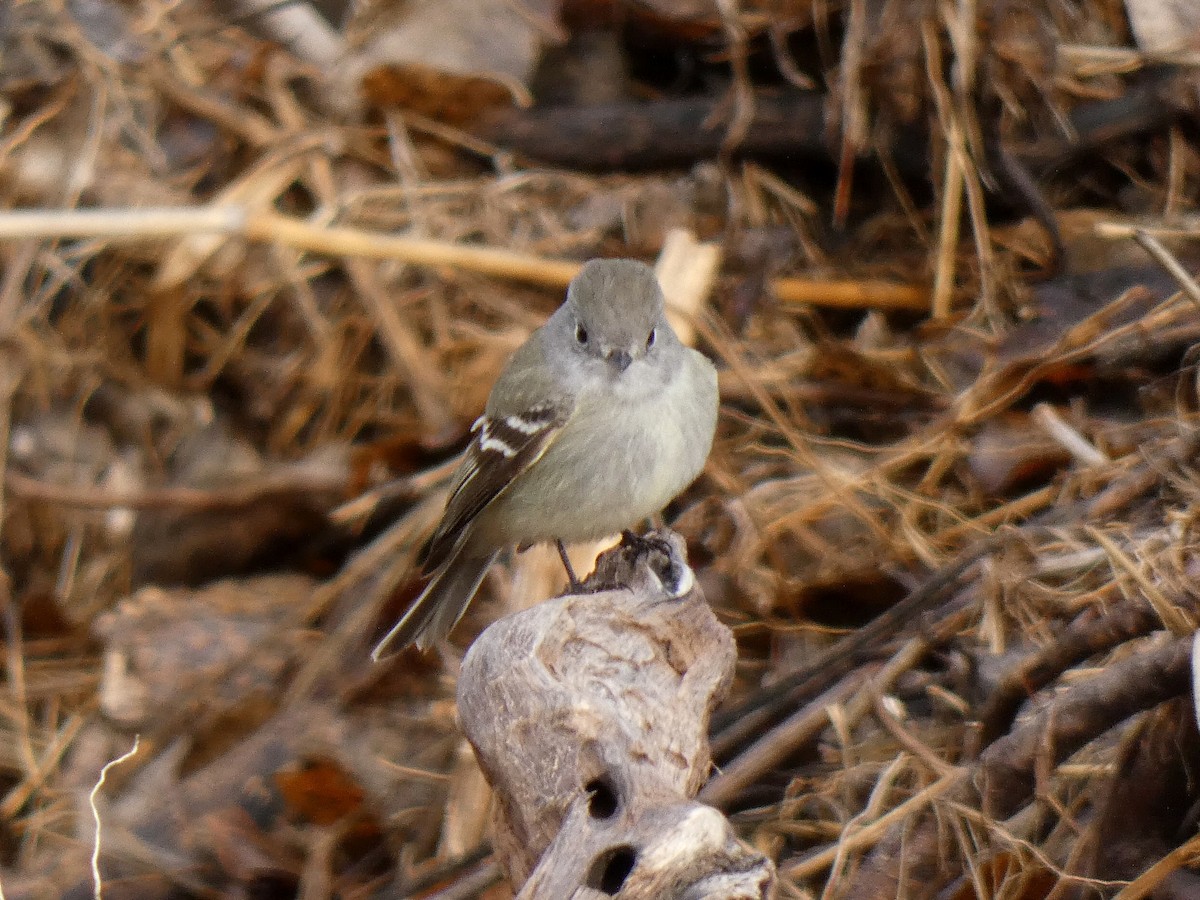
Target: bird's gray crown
{"x": 618, "y": 299}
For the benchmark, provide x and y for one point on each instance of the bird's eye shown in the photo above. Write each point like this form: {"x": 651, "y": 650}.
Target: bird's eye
{"x": 650, "y": 340}
{"x": 580, "y": 333}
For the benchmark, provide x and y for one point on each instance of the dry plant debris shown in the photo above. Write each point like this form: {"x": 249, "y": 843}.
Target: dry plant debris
{"x": 259, "y": 265}
{"x": 589, "y": 715}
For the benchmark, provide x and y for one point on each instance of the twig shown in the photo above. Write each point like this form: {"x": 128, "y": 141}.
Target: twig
{"x": 953, "y": 182}
{"x": 869, "y": 834}
{"x": 852, "y": 294}
{"x": 1089, "y": 59}
{"x": 1070, "y": 439}
{"x": 1007, "y": 770}
{"x": 120, "y": 224}
{"x": 459, "y": 872}
{"x": 1083, "y": 638}
{"x": 736, "y": 723}
{"x": 1172, "y": 616}
{"x": 1167, "y": 260}
{"x": 471, "y": 884}
{"x": 87, "y": 497}
{"x": 776, "y": 744}
{"x": 1004, "y": 777}
{"x": 269, "y": 227}
{"x": 804, "y": 725}
{"x": 1183, "y": 855}
{"x": 98, "y": 887}
{"x": 1184, "y": 227}
{"x": 51, "y": 757}
{"x": 743, "y": 92}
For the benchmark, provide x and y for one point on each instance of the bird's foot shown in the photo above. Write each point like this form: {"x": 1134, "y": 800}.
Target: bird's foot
{"x": 644, "y": 543}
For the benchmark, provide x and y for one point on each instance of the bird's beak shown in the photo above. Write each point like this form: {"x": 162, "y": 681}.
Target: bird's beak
{"x": 620, "y": 359}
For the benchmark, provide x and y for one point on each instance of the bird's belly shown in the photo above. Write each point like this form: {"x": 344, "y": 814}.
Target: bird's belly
{"x": 602, "y": 474}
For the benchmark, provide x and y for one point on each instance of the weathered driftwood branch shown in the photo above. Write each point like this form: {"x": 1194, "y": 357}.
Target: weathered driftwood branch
{"x": 673, "y": 132}
{"x": 589, "y": 715}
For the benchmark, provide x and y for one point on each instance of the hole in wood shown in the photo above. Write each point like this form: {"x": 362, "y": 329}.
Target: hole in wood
{"x": 604, "y": 801}
{"x": 611, "y": 868}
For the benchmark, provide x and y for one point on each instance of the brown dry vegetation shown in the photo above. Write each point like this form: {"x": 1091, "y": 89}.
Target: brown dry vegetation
{"x": 951, "y": 512}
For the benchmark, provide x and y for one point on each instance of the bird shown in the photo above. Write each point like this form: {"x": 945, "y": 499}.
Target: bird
{"x": 596, "y": 423}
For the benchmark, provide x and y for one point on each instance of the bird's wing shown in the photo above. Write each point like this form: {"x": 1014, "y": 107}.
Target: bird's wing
{"x": 504, "y": 446}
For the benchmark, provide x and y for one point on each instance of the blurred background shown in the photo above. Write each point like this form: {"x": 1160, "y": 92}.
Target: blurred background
{"x": 942, "y": 255}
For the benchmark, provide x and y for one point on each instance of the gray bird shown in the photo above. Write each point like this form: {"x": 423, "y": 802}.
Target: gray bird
{"x": 598, "y": 421}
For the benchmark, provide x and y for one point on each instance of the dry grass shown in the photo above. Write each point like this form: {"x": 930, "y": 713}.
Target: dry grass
{"x": 951, "y": 512}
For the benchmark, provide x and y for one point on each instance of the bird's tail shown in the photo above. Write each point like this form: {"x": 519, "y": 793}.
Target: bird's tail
{"x": 439, "y": 607}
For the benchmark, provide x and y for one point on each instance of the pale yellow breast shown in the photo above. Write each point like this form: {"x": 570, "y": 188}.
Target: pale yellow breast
{"x": 613, "y": 465}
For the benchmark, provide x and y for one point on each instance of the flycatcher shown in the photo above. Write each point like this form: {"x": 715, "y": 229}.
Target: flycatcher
{"x": 597, "y": 422}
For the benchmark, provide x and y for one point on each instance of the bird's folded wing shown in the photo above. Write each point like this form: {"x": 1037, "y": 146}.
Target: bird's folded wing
{"x": 503, "y": 448}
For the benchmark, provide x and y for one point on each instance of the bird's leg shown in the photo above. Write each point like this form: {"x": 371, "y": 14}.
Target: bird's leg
{"x": 576, "y": 585}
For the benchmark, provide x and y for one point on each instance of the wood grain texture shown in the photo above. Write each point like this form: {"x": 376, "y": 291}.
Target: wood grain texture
{"x": 589, "y": 715}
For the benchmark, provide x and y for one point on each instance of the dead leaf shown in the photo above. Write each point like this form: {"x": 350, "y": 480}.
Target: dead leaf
{"x": 159, "y": 646}
{"x": 1011, "y": 451}
{"x": 449, "y": 59}
{"x": 319, "y": 791}
{"x": 1161, "y": 26}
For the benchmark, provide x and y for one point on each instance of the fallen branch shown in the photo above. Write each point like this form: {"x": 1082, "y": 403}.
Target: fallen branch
{"x": 1088, "y": 636}
{"x": 589, "y": 715}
